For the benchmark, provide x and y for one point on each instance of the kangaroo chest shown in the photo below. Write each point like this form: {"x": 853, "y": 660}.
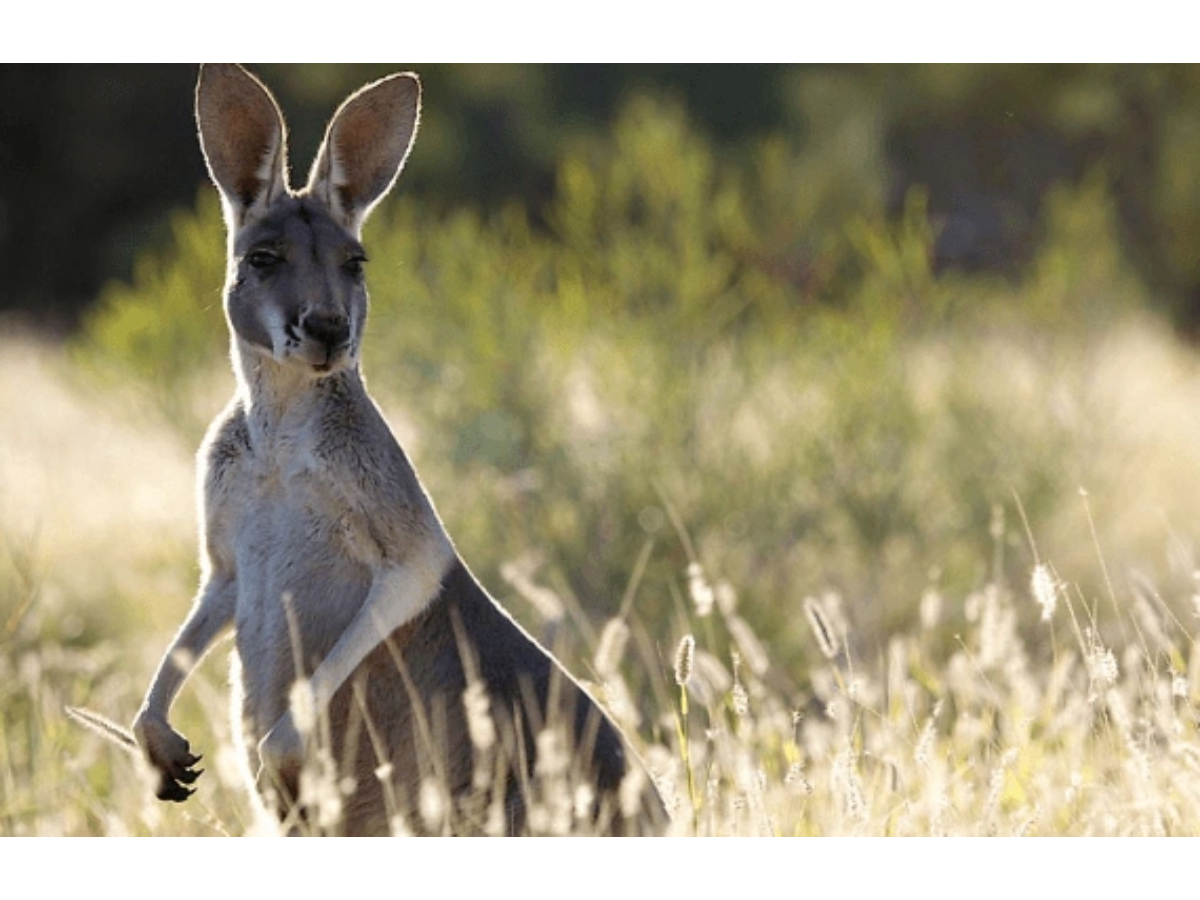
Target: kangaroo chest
{"x": 303, "y": 548}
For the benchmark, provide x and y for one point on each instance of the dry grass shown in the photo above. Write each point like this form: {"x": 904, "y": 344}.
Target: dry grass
{"x": 1065, "y": 702}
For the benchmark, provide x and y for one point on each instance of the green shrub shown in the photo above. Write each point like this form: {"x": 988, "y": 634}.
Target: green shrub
{"x": 714, "y": 356}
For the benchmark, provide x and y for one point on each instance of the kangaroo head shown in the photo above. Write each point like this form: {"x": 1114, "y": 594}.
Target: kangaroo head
{"x": 294, "y": 290}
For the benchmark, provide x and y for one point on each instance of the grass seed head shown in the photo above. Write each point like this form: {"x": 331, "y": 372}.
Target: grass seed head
{"x": 684, "y": 655}
{"x": 700, "y": 590}
{"x": 822, "y": 627}
{"x": 1045, "y": 590}
{"x": 611, "y": 647}
{"x": 480, "y": 727}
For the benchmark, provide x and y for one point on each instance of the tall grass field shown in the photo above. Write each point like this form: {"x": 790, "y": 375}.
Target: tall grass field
{"x": 847, "y": 546}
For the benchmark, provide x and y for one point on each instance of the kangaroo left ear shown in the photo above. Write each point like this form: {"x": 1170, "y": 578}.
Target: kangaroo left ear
{"x": 365, "y": 147}
{"x": 243, "y": 139}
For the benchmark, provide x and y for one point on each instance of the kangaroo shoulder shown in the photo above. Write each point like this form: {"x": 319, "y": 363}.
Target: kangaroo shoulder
{"x": 227, "y": 442}
{"x": 221, "y": 457}
{"x": 225, "y": 449}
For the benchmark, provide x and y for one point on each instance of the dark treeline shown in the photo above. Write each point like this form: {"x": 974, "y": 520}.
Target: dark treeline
{"x": 94, "y": 157}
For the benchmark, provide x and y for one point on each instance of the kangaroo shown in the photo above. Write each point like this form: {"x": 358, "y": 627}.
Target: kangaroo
{"x": 361, "y": 638}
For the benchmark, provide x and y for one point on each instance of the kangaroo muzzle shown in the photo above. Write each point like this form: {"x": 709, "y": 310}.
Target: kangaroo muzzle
{"x": 327, "y": 338}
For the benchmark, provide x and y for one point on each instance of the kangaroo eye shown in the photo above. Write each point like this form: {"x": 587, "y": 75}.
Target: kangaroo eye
{"x": 354, "y": 265}
{"x": 263, "y": 259}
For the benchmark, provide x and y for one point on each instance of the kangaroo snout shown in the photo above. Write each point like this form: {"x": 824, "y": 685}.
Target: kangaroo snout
{"x": 324, "y": 339}
{"x": 329, "y": 329}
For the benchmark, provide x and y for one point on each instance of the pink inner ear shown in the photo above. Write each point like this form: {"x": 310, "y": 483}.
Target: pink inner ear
{"x": 242, "y": 133}
{"x": 361, "y": 164}
{"x": 250, "y": 185}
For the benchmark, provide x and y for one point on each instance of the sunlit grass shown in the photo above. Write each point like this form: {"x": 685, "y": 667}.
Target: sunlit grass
{"x": 1062, "y": 702}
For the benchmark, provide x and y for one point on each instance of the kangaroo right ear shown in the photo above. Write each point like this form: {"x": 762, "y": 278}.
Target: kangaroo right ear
{"x": 243, "y": 138}
{"x": 365, "y": 147}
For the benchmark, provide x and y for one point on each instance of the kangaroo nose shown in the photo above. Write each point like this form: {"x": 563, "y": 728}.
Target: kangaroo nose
{"x": 330, "y": 329}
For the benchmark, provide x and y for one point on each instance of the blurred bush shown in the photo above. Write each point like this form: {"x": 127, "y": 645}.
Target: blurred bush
{"x": 715, "y": 355}
{"x": 107, "y": 151}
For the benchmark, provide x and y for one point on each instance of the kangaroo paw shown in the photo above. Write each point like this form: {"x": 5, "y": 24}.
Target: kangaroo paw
{"x": 170, "y": 755}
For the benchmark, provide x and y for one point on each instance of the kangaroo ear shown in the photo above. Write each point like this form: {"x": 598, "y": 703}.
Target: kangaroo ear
{"x": 365, "y": 147}
{"x": 243, "y": 139}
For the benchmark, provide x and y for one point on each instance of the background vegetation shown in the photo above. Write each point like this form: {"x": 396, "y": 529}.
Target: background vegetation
{"x": 874, "y": 382}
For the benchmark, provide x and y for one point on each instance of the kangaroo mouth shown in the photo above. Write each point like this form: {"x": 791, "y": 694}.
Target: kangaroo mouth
{"x": 325, "y": 360}
{"x": 335, "y": 359}
{"x": 321, "y": 354}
